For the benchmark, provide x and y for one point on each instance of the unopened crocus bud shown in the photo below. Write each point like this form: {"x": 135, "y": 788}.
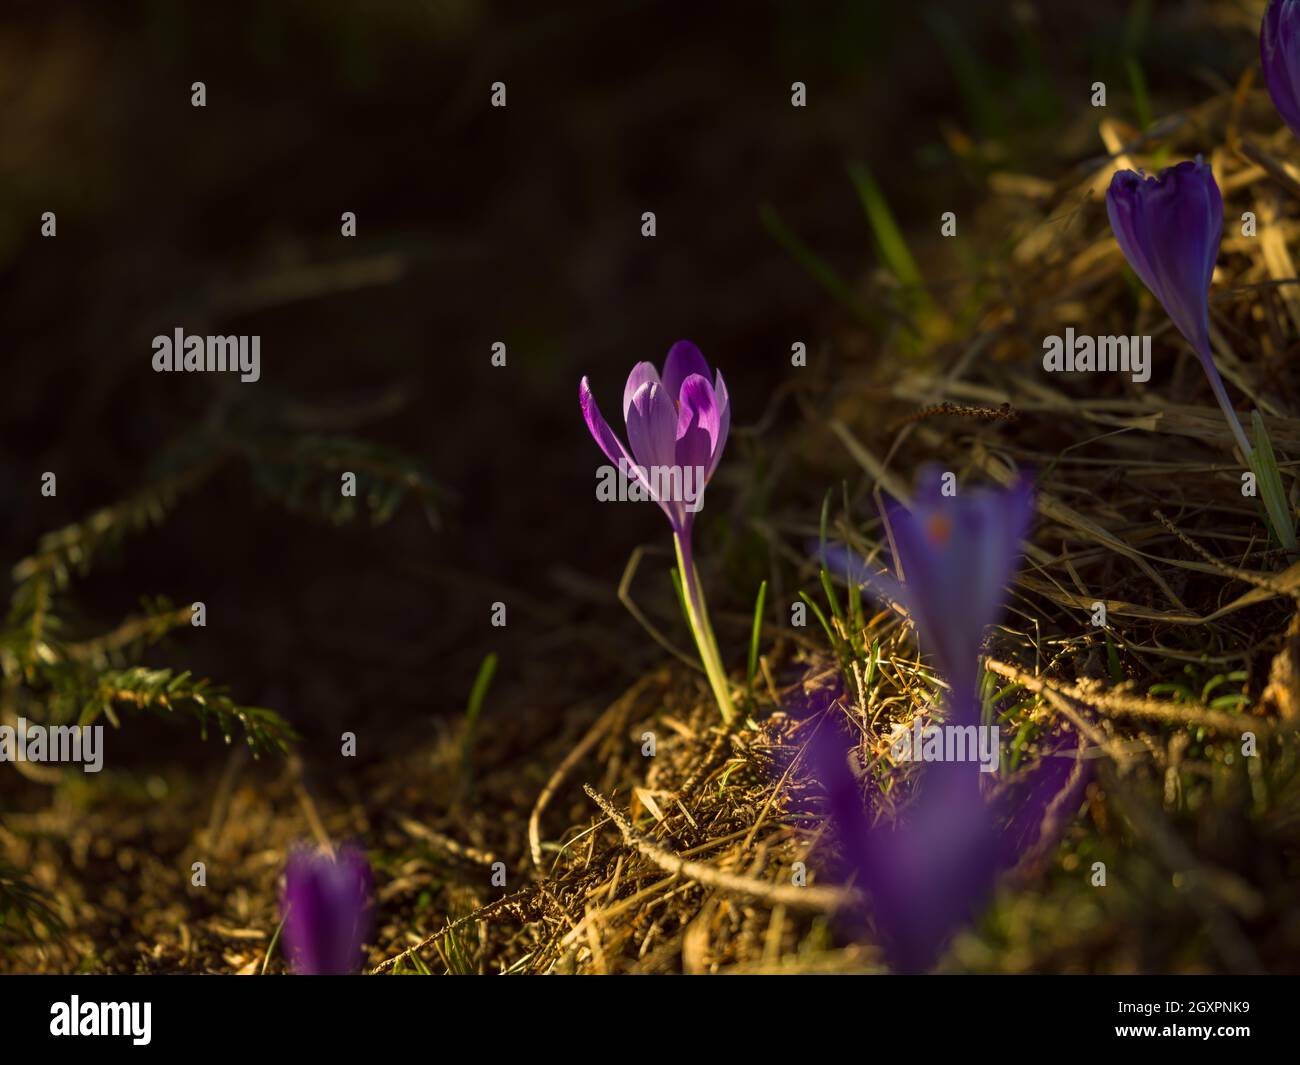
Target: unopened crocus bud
{"x": 1169, "y": 228}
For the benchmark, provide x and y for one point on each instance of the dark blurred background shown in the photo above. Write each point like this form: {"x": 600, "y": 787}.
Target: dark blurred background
{"x": 475, "y": 225}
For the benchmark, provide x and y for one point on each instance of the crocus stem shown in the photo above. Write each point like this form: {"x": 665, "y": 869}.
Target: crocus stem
{"x": 1221, "y": 394}
{"x": 699, "y": 618}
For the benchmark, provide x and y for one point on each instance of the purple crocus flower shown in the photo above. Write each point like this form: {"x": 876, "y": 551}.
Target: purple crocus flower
{"x": 326, "y": 906}
{"x": 956, "y": 554}
{"x": 1169, "y": 228}
{"x": 675, "y": 421}
{"x": 1279, "y": 53}
{"x": 926, "y": 875}
{"x": 677, "y": 425}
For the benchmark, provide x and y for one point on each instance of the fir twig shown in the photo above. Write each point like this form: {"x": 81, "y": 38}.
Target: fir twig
{"x": 163, "y": 691}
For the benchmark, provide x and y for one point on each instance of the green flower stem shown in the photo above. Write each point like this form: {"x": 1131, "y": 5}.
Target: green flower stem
{"x": 698, "y": 615}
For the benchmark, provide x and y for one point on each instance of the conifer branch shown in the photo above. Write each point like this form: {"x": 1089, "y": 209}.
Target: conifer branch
{"x": 165, "y": 691}
{"x": 161, "y": 616}
{"x": 74, "y": 546}
{"x": 308, "y": 468}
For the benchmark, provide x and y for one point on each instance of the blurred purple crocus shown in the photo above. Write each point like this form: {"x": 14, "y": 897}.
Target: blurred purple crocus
{"x": 927, "y": 875}
{"x": 1279, "y": 53}
{"x": 956, "y": 555}
{"x": 1169, "y": 228}
{"x": 326, "y": 906}
{"x": 677, "y": 425}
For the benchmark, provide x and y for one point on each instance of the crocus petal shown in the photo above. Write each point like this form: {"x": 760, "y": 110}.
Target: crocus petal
{"x": 723, "y": 401}
{"x": 642, "y": 373}
{"x": 1126, "y": 210}
{"x": 1279, "y": 53}
{"x": 1185, "y": 215}
{"x": 684, "y": 359}
{"x": 992, "y": 528}
{"x": 613, "y": 447}
{"x": 937, "y": 584}
{"x": 600, "y": 430}
{"x": 652, "y": 426}
{"x": 697, "y": 424}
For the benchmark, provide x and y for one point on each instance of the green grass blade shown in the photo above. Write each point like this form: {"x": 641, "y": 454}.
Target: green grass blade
{"x": 892, "y": 245}
{"x": 1141, "y": 100}
{"x": 1280, "y": 513}
{"x": 818, "y": 269}
{"x": 486, "y": 670}
{"x": 830, "y": 633}
{"x": 837, "y": 611}
{"x": 754, "y": 634}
